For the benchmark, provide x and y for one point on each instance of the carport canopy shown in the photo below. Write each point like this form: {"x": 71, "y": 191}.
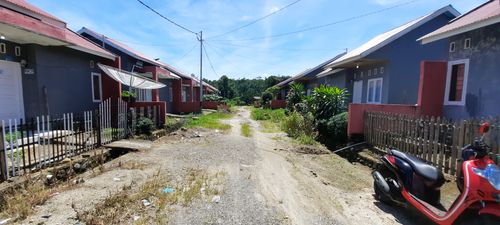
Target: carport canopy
{"x": 130, "y": 79}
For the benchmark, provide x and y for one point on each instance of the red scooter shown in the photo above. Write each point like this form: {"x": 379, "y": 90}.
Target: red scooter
{"x": 407, "y": 179}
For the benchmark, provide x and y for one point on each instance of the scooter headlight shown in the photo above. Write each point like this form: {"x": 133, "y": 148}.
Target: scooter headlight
{"x": 490, "y": 173}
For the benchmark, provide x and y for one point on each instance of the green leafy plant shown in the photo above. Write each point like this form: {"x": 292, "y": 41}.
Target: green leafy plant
{"x": 333, "y": 132}
{"x": 144, "y": 126}
{"x": 266, "y": 99}
{"x": 128, "y": 94}
{"x": 295, "y": 95}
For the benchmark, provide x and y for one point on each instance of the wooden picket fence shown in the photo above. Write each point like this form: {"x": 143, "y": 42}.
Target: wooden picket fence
{"x": 437, "y": 140}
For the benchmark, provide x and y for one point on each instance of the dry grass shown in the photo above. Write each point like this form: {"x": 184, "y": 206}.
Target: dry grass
{"x": 246, "y": 130}
{"x": 20, "y": 203}
{"x": 123, "y": 206}
{"x": 267, "y": 126}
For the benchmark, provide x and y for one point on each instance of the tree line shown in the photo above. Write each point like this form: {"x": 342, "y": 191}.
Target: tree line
{"x": 244, "y": 90}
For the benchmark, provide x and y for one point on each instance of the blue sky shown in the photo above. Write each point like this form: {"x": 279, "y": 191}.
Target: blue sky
{"x": 136, "y": 26}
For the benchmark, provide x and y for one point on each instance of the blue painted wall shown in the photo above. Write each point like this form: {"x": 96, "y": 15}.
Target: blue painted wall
{"x": 402, "y": 59}
{"x": 62, "y": 79}
{"x": 483, "y": 86}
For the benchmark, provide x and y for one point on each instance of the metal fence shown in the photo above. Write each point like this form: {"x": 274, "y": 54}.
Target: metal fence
{"x": 436, "y": 140}
{"x": 36, "y": 143}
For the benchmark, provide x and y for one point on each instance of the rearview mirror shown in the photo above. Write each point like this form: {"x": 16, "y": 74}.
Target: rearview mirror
{"x": 484, "y": 128}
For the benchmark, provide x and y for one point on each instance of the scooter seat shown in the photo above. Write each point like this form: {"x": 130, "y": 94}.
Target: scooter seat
{"x": 421, "y": 168}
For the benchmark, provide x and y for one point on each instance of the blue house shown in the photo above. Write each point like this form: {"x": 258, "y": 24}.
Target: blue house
{"x": 45, "y": 68}
{"x": 386, "y": 69}
{"x": 473, "y": 62}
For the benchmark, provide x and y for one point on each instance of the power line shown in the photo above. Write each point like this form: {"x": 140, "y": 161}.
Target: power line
{"x": 164, "y": 17}
{"x": 279, "y": 49}
{"x": 209, "y": 61}
{"x": 255, "y": 21}
{"x": 326, "y": 25}
{"x": 185, "y": 54}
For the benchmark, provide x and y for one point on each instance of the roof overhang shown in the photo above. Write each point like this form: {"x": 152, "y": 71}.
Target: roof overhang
{"x": 439, "y": 36}
{"x": 130, "y": 79}
{"x": 329, "y": 71}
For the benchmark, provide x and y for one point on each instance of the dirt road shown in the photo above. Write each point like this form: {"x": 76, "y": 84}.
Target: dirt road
{"x": 265, "y": 180}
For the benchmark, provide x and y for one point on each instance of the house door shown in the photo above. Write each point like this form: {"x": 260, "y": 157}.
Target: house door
{"x": 11, "y": 91}
{"x": 357, "y": 91}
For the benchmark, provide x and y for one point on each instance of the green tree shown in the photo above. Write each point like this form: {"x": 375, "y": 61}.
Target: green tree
{"x": 224, "y": 88}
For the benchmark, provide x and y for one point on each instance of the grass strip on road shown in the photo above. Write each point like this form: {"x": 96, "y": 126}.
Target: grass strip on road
{"x": 246, "y": 130}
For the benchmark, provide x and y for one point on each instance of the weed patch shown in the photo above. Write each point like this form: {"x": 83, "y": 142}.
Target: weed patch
{"x": 274, "y": 115}
{"x": 268, "y": 126}
{"x": 210, "y": 121}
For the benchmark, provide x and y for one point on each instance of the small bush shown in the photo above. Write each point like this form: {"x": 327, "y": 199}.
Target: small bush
{"x": 266, "y": 99}
{"x": 333, "y": 131}
{"x": 295, "y": 95}
{"x": 246, "y": 130}
{"x": 144, "y": 126}
{"x": 296, "y": 125}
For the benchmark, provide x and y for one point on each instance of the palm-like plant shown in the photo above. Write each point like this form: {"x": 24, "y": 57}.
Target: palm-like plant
{"x": 328, "y": 101}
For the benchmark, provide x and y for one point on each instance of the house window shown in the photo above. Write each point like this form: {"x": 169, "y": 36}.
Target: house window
{"x": 361, "y": 75}
{"x": 92, "y": 64}
{"x": 382, "y": 70}
{"x": 452, "y": 47}
{"x": 375, "y": 71}
{"x": 17, "y": 51}
{"x": 185, "y": 93}
{"x": 467, "y": 43}
{"x": 369, "y": 72}
{"x": 96, "y": 87}
{"x": 2, "y": 48}
{"x": 374, "y": 94}
{"x": 456, "y": 82}
{"x": 170, "y": 94}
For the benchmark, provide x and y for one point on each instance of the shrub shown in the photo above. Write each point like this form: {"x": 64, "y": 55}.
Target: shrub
{"x": 295, "y": 95}
{"x": 333, "y": 131}
{"x": 296, "y": 125}
{"x": 328, "y": 101}
{"x": 144, "y": 126}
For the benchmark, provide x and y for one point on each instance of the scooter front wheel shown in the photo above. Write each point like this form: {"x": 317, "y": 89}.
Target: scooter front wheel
{"x": 380, "y": 195}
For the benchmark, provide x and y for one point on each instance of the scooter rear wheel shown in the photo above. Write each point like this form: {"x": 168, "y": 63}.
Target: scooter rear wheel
{"x": 380, "y": 196}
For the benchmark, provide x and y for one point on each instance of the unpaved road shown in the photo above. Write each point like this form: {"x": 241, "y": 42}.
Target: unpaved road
{"x": 266, "y": 182}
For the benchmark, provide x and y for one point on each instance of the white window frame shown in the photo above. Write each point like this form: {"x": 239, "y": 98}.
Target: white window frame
{"x": 467, "y": 40}
{"x": 17, "y": 51}
{"x": 448, "y": 80}
{"x": 374, "y": 80}
{"x": 92, "y": 85}
{"x": 453, "y": 47}
{"x": 3, "y": 48}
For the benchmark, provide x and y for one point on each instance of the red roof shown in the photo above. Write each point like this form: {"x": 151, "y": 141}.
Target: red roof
{"x": 28, "y": 6}
{"x": 483, "y": 15}
{"x": 65, "y": 35}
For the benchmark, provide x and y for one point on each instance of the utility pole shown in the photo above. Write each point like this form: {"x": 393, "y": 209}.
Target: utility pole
{"x": 200, "y": 38}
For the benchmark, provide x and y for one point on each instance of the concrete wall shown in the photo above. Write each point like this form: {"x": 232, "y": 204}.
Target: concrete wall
{"x": 483, "y": 87}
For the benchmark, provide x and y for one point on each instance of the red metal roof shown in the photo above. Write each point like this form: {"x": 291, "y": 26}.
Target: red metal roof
{"x": 485, "y": 12}
{"x": 29, "y": 24}
{"x": 28, "y": 6}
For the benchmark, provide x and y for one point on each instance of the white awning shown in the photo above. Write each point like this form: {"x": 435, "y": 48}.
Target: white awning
{"x": 130, "y": 79}
{"x": 328, "y": 71}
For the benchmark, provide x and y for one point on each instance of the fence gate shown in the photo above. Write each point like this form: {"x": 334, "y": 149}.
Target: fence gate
{"x": 39, "y": 142}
